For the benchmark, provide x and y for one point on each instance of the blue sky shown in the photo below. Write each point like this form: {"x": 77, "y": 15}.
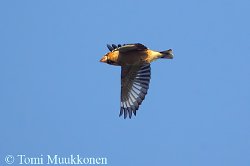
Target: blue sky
{"x": 56, "y": 98}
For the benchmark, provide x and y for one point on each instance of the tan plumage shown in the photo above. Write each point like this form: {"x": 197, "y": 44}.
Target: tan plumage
{"x": 135, "y": 61}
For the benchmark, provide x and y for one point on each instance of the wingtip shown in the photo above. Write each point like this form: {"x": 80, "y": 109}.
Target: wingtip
{"x": 134, "y": 111}
{"x": 130, "y": 113}
{"x": 114, "y": 46}
{"x": 127, "y": 113}
{"x": 121, "y": 111}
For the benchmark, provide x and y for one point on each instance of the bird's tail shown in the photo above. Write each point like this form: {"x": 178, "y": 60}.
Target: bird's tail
{"x": 168, "y": 54}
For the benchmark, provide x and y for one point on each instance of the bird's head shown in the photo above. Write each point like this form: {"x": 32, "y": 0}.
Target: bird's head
{"x": 109, "y": 59}
{"x": 104, "y": 59}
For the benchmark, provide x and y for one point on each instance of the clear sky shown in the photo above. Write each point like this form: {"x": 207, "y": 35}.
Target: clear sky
{"x": 57, "y": 98}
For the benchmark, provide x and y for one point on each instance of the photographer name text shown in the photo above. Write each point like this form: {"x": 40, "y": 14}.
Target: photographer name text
{"x": 55, "y": 160}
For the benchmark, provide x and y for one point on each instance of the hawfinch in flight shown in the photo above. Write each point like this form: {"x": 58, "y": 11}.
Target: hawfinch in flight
{"x": 134, "y": 60}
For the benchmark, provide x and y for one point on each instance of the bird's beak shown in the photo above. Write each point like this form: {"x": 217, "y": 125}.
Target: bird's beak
{"x": 104, "y": 59}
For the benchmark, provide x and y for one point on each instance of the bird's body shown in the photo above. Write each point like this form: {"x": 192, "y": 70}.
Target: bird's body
{"x": 133, "y": 57}
{"x": 135, "y": 61}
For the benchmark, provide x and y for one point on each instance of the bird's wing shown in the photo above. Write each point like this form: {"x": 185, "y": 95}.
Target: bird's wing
{"x": 112, "y": 47}
{"x": 134, "y": 86}
{"x": 127, "y": 47}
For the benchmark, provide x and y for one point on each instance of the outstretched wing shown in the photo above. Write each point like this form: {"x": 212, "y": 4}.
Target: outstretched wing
{"x": 127, "y": 47}
{"x": 134, "y": 86}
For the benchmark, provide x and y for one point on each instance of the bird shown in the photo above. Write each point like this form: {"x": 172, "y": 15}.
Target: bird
{"x": 134, "y": 60}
